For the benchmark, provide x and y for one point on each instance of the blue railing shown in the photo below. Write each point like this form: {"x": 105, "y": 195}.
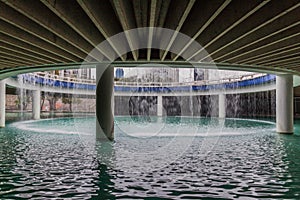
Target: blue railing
{"x": 57, "y": 83}
{"x": 155, "y": 89}
{"x": 238, "y": 84}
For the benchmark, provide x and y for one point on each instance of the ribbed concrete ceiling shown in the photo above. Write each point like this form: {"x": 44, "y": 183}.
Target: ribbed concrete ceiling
{"x": 256, "y": 32}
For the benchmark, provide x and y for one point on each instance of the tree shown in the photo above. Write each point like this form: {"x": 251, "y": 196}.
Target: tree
{"x": 70, "y": 99}
{"x": 67, "y": 99}
{"x": 23, "y": 99}
{"x": 51, "y": 97}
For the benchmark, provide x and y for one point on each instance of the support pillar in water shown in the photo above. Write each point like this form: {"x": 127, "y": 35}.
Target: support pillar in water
{"x": 2, "y": 103}
{"x": 159, "y": 106}
{"x": 284, "y": 104}
{"x": 104, "y": 102}
{"x": 36, "y": 104}
{"x": 222, "y": 106}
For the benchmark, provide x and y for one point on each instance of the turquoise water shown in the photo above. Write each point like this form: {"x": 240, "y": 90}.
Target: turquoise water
{"x": 152, "y": 158}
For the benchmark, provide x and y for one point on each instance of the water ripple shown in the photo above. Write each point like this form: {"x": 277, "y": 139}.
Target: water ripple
{"x": 62, "y": 166}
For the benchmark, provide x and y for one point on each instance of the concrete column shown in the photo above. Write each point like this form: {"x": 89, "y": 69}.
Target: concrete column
{"x": 191, "y": 105}
{"x": 2, "y": 103}
{"x": 222, "y": 105}
{"x": 159, "y": 106}
{"x": 36, "y": 104}
{"x": 104, "y": 102}
{"x": 284, "y": 104}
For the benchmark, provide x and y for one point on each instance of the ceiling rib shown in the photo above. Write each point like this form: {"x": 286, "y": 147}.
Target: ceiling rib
{"x": 276, "y": 54}
{"x": 282, "y": 61}
{"x": 22, "y": 54}
{"x": 47, "y": 19}
{"x": 261, "y": 34}
{"x": 4, "y": 64}
{"x": 70, "y": 16}
{"x": 25, "y": 52}
{"x": 19, "y": 34}
{"x": 178, "y": 27}
{"x": 18, "y": 57}
{"x": 9, "y": 62}
{"x": 254, "y": 29}
{"x": 20, "y": 21}
{"x": 261, "y": 39}
{"x": 292, "y": 65}
{"x": 215, "y": 14}
{"x": 100, "y": 24}
{"x": 127, "y": 21}
{"x": 270, "y": 53}
{"x": 30, "y": 48}
{"x": 231, "y": 27}
{"x": 151, "y": 24}
{"x": 13, "y": 59}
{"x": 277, "y": 58}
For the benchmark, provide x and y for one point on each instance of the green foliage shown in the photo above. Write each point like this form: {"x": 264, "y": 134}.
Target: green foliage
{"x": 23, "y": 99}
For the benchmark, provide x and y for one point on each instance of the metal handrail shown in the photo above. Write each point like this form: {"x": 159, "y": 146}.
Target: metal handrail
{"x": 150, "y": 84}
{"x": 203, "y": 82}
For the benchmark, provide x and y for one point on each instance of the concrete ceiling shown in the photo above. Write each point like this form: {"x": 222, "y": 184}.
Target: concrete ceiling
{"x": 261, "y": 33}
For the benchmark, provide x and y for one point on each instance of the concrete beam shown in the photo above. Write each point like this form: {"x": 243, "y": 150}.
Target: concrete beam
{"x": 27, "y": 46}
{"x": 269, "y": 47}
{"x": 24, "y": 52}
{"x": 282, "y": 61}
{"x": 179, "y": 19}
{"x": 18, "y": 59}
{"x": 47, "y": 19}
{"x": 283, "y": 58}
{"x": 140, "y": 9}
{"x": 14, "y": 60}
{"x": 99, "y": 16}
{"x": 71, "y": 13}
{"x": 127, "y": 19}
{"x": 5, "y": 64}
{"x": 19, "y": 20}
{"x": 274, "y": 53}
{"x": 291, "y": 65}
{"x": 153, "y": 9}
{"x": 252, "y": 28}
{"x": 14, "y": 54}
{"x": 241, "y": 16}
{"x": 22, "y": 35}
{"x": 215, "y": 12}
{"x": 269, "y": 39}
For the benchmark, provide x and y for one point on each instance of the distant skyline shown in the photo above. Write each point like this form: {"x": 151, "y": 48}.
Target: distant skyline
{"x": 185, "y": 75}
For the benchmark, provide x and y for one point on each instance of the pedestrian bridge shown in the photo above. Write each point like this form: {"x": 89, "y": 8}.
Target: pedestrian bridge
{"x": 51, "y": 83}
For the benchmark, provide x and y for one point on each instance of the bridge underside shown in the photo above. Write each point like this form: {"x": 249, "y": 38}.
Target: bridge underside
{"x": 263, "y": 34}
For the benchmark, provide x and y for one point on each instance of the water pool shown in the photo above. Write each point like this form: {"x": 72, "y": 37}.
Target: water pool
{"x": 158, "y": 158}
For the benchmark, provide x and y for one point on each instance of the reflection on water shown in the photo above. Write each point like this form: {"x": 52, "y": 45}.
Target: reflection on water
{"x": 39, "y": 164}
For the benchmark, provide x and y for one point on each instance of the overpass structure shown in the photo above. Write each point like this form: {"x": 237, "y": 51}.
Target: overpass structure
{"x": 258, "y": 35}
{"x": 42, "y": 82}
